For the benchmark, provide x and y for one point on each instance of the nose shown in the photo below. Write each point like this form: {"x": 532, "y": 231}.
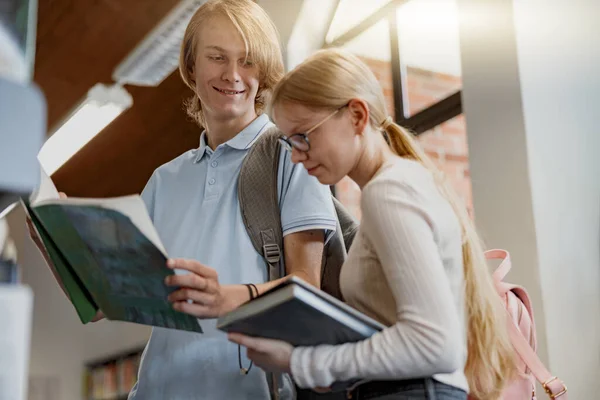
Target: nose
{"x": 231, "y": 72}
{"x": 298, "y": 156}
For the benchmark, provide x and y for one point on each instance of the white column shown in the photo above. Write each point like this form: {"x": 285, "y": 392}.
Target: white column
{"x": 559, "y": 62}
{"x": 531, "y": 92}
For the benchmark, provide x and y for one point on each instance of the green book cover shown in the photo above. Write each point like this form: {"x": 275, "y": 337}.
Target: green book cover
{"x": 105, "y": 262}
{"x": 81, "y": 299}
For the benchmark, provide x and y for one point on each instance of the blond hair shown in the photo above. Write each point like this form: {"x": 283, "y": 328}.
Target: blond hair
{"x": 330, "y": 79}
{"x": 260, "y": 37}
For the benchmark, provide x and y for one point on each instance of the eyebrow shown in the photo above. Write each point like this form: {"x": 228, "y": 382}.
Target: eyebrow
{"x": 218, "y": 48}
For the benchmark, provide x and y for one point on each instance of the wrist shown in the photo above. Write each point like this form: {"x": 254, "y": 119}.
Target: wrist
{"x": 233, "y": 297}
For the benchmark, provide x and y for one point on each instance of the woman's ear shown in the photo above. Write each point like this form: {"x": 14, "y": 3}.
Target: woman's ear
{"x": 359, "y": 115}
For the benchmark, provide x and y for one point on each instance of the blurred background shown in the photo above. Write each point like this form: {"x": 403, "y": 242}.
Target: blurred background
{"x": 502, "y": 94}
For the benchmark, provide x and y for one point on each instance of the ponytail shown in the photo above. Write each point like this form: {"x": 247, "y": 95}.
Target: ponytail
{"x": 490, "y": 362}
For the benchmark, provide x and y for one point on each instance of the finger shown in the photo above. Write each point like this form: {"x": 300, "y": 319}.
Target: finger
{"x": 237, "y": 338}
{"x": 191, "y": 281}
{"x": 192, "y": 266}
{"x": 196, "y": 296}
{"x": 243, "y": 340}
{"x": 62, "y": 195}
{"x": 196, "y": 310}
{"x": 258, "y": 345}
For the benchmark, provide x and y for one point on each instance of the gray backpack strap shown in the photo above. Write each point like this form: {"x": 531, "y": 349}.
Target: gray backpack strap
{"x": 259, "y": 203}
{"x": 347, "y": 222}
{"x": 336, "y": 250}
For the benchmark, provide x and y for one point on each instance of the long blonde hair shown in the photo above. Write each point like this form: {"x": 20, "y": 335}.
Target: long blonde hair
{"x": 259, "y": 35}
{"x": 329, "y": 79}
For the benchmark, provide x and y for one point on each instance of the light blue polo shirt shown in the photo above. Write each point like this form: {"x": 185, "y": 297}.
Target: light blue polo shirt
{"x": 194, "y": 205}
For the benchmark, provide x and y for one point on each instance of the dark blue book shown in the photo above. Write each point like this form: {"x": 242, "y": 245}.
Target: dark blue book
{"x": 298, "y": 313}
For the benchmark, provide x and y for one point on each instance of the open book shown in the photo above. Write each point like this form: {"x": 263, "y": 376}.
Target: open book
{"x": 108, "y": 256}
{"x": 297, "y": 313}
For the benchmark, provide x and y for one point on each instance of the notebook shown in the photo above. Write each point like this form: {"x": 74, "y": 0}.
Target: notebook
{"x": 298, "y": 313}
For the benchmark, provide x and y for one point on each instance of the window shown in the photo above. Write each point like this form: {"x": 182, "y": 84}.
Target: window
{"x": 422, "y": 38}
{"x": 412, "y": 46}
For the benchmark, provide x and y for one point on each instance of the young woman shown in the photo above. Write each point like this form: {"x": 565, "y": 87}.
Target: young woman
{"x": 416, "y": 264}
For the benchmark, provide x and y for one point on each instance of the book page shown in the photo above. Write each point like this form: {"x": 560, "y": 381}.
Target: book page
{"x": 132, "y": 206}
{"x": 8, "y": 235}
{"x": 45, "y": 191}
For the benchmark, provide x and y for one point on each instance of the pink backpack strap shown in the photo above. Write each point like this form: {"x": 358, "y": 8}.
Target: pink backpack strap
{"x": 553, "y": 386}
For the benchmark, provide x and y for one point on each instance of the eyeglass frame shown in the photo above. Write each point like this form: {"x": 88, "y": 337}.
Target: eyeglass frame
{"x": 287, "y": 142}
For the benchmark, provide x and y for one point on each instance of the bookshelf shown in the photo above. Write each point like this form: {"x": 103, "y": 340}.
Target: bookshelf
{"x": 112, "y": 378}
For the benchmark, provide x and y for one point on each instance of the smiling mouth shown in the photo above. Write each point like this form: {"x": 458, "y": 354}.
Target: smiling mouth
{"x": 229, "y": 92}
{"x": 311, "y": 170}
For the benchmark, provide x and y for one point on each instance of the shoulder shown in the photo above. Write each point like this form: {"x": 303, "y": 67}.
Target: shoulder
{"x": 173, "y": 168}
{"x": 406, "y": 193}
{"x": 402, "y": 180}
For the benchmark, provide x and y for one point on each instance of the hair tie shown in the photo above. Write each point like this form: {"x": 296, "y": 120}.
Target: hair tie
{"x": 386, "y": 123}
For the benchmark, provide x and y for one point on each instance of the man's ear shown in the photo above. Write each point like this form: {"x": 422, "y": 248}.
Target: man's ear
{"x": 359, "y": 115}
{"x": 192, "y": 73}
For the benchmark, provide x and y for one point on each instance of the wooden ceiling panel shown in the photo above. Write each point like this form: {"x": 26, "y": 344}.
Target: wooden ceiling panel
{"x": 79, "y": 44}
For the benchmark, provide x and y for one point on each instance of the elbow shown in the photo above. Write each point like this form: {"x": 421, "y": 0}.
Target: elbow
{"x": 448, "y": 361}
{"x": 449, "y": 354}
{"x": 441, "y": 352}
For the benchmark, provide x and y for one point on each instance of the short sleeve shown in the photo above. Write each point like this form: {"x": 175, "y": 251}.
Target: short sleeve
{"x": 304, "y": 202}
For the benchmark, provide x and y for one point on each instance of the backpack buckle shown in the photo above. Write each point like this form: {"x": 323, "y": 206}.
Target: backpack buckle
{"x": 272, "y": 253}
{"x": 549, "y": 391}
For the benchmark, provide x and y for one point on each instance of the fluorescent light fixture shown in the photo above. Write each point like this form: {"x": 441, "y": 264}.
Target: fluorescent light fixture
{"x": 100, "y": 107}
{"x": 157, "y": 55}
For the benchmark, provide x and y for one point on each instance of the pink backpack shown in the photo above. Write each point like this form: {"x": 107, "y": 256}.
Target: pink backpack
{"x": 522, "y": 335}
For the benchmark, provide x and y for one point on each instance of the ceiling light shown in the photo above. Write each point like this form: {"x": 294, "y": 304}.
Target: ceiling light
{"x": 157, "y": 55}
{"x": 101, "y": 106}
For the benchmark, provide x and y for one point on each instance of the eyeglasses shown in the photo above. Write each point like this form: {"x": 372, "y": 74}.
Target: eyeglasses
{"x": 299, "y": 141}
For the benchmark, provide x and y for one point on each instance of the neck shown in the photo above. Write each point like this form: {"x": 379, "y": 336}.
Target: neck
{"x": 375, "y": 154}
{"x": 219, "y": 130}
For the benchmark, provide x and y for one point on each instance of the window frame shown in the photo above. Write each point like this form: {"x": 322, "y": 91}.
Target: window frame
{"x": 424, "y": 120}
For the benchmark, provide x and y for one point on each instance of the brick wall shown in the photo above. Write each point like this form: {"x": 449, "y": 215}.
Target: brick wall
{"x": 446, "y": 144}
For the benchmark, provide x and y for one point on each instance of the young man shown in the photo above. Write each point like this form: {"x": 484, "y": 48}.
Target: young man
{"x": 231, "y": 59}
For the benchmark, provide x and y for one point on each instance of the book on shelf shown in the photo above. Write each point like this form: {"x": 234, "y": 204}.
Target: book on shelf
{"x": 112, "y": 378}
{"x": 107, "y": 256}
{"x": 300, "y": 314}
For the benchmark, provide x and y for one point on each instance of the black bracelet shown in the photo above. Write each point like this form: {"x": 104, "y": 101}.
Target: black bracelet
{"x": 255, "y": 288}
{"x": 245, "y": 371}
{"x": 250, "y": 291}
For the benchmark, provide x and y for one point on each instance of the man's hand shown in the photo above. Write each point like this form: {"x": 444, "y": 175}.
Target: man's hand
{"x": 201, "y": 285}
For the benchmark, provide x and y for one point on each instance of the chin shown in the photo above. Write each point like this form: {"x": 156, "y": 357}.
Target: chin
{"x": 231, "y": 112}
{"x": 327, "y": 179}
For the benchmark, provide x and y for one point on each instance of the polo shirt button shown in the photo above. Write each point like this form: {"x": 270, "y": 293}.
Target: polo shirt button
{"x": 212, "y": 181}
{"x": 214, "y": 164}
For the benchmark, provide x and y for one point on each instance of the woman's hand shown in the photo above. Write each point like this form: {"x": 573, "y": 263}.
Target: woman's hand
{"x": 270, "y": 355}
{"x": 208, "y": 298}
